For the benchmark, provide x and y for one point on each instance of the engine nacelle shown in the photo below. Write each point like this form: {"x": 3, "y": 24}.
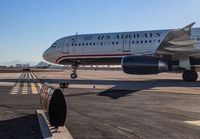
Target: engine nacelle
{"x": 143, "y": 65}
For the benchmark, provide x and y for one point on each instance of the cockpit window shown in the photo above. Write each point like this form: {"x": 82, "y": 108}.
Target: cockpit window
{"x": 53, "y": 45}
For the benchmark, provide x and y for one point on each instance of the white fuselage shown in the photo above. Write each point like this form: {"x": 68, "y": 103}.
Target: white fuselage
{"x": 90, "y": 48}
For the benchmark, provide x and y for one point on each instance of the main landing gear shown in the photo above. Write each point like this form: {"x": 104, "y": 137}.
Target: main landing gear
{"x": 190, "y": 75}
{"x": 74, "y": 68}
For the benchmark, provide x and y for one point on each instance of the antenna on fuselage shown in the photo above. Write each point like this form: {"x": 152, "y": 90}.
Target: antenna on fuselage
{"x": 76, "y": 36}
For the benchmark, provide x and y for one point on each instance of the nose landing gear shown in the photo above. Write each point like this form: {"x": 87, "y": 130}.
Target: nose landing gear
{"x": 74, "y": 68}
{"x": 73, "y": 75}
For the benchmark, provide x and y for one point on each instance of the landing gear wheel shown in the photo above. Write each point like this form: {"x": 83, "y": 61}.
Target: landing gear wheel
{"x": 190, "y": 75}
{"x": 74, "y": 68}
{"x": 73, "y": 75}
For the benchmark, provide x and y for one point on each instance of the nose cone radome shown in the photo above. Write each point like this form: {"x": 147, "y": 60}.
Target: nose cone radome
{"x": 45, "y": 55}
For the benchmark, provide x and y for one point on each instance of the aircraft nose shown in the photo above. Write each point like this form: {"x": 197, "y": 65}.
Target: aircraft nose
{"x": 45, "y": 55}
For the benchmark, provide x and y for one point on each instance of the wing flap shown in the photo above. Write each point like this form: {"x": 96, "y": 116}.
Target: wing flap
{"x": 181, "y": 49}
{"x": 184, "y": 42}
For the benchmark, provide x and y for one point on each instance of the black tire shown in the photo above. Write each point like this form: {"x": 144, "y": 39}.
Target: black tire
{"x": 190, "y": 75}
{"x": 194, "y": 76}
{"x": 73, "y": 75}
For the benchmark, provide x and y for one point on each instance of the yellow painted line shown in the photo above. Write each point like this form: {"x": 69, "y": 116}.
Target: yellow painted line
{"x": 25, "y": 76}
{"x": 39, "y": 84}
{"x": 30, "y": 78}
{"x": 25, "y": 88}
{"x": 33, "y": 76}
{"x": 16, "y": 88}
{"x": 33, "y": 88}
{"x": 193, "y": 122}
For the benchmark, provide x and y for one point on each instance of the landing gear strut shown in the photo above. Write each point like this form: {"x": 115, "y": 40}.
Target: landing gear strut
{"x": 190, "y": 75}
{"x": 74, "y": 68}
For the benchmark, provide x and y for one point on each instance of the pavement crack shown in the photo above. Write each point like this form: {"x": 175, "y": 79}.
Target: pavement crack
{"x": 118, "y": 128}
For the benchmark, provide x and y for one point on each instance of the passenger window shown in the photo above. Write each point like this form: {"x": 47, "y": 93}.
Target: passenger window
{"x": 141, "y": 41}
{"x": 86, "y": 44}
{"x": 145, "y": 41}
{"x": 93, "y": 43}
{"x": 149, "y": 41}
{"x": 133, "y": 42}
{"x": 75, "y": 44}
{"x": 72, "y": 44}
{"x": 79, "y": 44}
{"x": 113, "y": 43}
{"x": 101, "y": 43}
{"x": 198, "y": 39}
{"x": 83, "y": 44}
{"x": 90, "y": 43}
{"x": 158, "y": 40}
{"x": 137, "y": 41}
{"x": 116, "y": 42}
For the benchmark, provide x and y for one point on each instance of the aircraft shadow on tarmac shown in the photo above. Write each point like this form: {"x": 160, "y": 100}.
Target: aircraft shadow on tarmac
{"x": 21, "y": 128}
{"x": 122, "y": 88}
{"x": 129, "y": 86}
{"x": 115, "y": 94}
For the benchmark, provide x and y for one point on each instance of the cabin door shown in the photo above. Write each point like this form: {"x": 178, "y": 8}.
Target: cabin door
{"x": 65, "y": 48}
{"x": 126, "y": 45}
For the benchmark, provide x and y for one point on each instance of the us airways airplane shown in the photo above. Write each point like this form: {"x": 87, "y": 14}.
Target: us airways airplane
{"x": 142, "y": 52}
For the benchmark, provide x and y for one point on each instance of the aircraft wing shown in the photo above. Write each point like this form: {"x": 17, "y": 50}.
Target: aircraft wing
{"x": 177, "y": 44}
{"x": 183, "y": 43}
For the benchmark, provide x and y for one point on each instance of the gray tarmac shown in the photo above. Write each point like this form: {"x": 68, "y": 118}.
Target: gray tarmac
{"x": 132, "y": 114}
{"x": 148, "y": 111}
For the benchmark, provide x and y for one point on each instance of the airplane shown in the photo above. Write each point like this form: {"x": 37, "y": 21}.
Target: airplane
{"x": 139, "y": 52}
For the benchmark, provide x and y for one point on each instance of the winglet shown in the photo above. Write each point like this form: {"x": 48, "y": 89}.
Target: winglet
{"x": 187, "y": 29}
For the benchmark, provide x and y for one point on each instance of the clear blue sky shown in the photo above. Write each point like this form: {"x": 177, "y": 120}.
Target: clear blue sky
{"x": 28, "y": 27}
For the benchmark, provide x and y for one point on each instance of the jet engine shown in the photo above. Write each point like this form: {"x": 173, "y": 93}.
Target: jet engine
{"x": 144, "y": 65}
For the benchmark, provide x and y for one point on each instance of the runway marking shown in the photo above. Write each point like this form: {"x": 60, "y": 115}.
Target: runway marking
{"x": 25, "y": 76}
{"x": 33, "y": 88}
{"x": 34, "y": 80}
{"x": 39, "y": 84}
{"x": 15, "y": 89}
{"x": 25, "y": 89}
{"x": 193, "y": 122}
{"x": 27, "y": 83}
{"x": 17, "y": 85}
